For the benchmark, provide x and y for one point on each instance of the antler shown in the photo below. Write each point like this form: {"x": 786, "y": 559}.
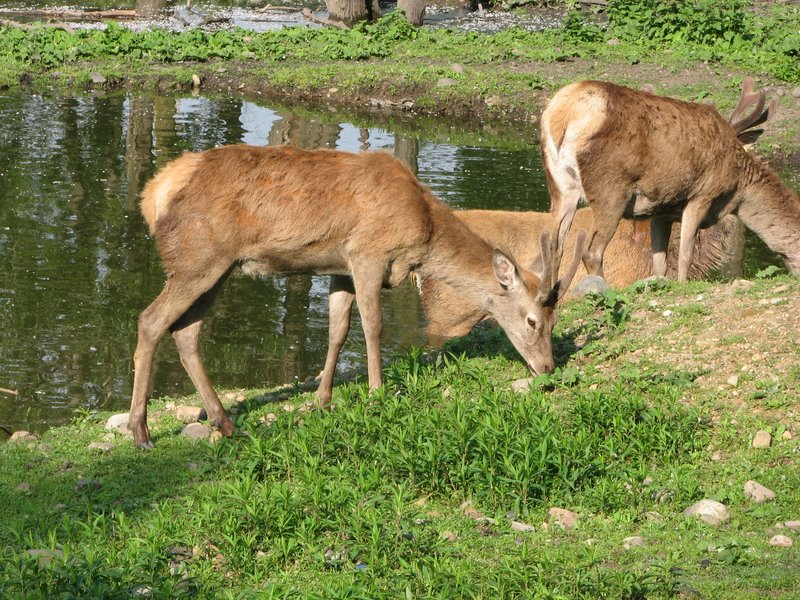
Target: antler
{"x": 759, "y": 115}
{"x": 547, "y": 265}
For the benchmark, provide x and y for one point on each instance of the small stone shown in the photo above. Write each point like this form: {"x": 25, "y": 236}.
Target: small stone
{"x": 196, "y": 431}
{"x": 447, "y": 392}
{"x": 562, "y": 517}
{"x": 783, "y": 541}
{"x": 190, "y": 414}
{"x": 756, "y": 492}
{"x": 191, "y": 466}
{"x": 493, "y": 101}
{"x": 632, "y": 542}
{"x": 269, "y": 418}
{"x": 786, "y": 435}
{"x": 733, "y": 380}
{"x": 23, "y": 436}
{"x": 709, "y": 511}
{"x": 333, "y": 90}
{"x": 288, "y": 407}
{"x": 102, "y": 446}
{"x": 718, "y": 456}
{"x": 522, "y": 385}
{"x": 446, "y": 82}
{"x": 796, "y": 92}
{"x": 215, "y": 437}
{"x": 667, "y": 313}
{"x": 97, "y": 78}
{"x": 647, "y": 481}
{"x": 652, "y": 515}
{"x": 118, "y": 423}
{"x": 521, "y": 527}
{"x": 142, "y": 591}
{"x": 83, "y": 484}
{"x": 25, "y": 488}
{"x": 792, "y": 524}
{"x": 457, "y": 68}
{"x": 45, "y": 556}
{"x": 741, "y": 284}
{"x": 449, "y": 536}
{"x": 613, "y": 42}
{"x": 781, "y": 288}
{"x": 763, "y": 439}
{"x": 591, "y": 284}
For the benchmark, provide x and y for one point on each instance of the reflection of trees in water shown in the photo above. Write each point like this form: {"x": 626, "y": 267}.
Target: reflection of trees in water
{"x": 80, "y": 265}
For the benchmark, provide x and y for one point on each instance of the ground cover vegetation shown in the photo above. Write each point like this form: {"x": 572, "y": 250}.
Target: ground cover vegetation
{"x": 439, "y": 484}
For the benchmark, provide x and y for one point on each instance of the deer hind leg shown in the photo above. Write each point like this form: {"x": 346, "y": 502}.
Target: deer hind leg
{"x": 660, "y": 230}
{"x": 186, "y": 333}
{"x": 608, "y": 206}
{"x": 177, "y": 297}
{"x": 368, "y": 281}
{"x": 564, "y": 186}
{"x": 340, "y": 302}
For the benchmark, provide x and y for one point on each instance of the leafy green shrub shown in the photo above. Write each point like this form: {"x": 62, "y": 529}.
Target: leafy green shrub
{"x": 681, "y": 21}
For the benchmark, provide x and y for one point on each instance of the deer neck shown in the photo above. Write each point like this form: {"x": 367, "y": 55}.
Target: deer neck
{"x": 772, "y": 211}
{"x": 461, "y": 259}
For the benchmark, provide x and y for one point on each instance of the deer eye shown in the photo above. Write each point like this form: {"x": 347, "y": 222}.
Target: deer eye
{"x": 533, "y": 322}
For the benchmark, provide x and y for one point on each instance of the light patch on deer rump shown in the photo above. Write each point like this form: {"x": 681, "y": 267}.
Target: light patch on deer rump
{"x": 567, "y": 129}
{"x": 159, "y": 191}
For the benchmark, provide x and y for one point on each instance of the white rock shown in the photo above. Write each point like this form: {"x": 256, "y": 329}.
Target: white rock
{"x": 792, "y": 524}
{"x": 763, "y": 439}
{"x": 733, "y": 380}
{"x": 522, "y": 385}
{"x": 784, "y": 541}
{"x": 786, "y": 435}
{"x": 563, "y": 517}
{"x": 103, "y": 446}
{"x": 23, "y": 436}
{"x": 45, "y": 556}
{"x": 446, "y": 82}
{"x": 196, "y": 431}
{"x": 632, "y": 542}
{"x": 521, "y": 527}
{"x": 709, "y": 511}
{"x": 118, "y": 423}
{"x": 756, "y": 492}
{"x": 190, "y": 414}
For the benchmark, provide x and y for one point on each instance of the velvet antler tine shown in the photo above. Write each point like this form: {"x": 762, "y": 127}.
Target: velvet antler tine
{"x": 563, "y": 283}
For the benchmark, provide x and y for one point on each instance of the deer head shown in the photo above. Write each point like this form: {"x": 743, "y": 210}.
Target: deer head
{"x": 529, "y": 321}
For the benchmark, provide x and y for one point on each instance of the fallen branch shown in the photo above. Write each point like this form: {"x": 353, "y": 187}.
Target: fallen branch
{"x": 79, "y": 15}
{"x": 9, "y": 392}
{"x": 310, "y": 16}
{"x": 7, "y": 429}
{"x": 270, "y": 7}
{"x": 27, "y": 27}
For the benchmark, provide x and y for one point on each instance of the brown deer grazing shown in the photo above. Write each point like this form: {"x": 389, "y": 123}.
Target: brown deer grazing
{"x": 280, "y": 210}
{"x": 628, "y": 258}
{"x": 634, "y": 154}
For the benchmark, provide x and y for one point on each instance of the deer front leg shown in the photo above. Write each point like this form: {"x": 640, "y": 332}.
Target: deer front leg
{"x": 340, "y": 302}
{"x": 368, "y": 281}
{"x": 660, "y": 230}
{"x": 691, "y": 219}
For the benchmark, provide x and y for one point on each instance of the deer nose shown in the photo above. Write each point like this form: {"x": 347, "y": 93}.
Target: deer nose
{"x": 544, "y": 368}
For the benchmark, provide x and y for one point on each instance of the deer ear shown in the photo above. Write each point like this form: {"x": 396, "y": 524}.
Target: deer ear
{"x": 505, "y": 270}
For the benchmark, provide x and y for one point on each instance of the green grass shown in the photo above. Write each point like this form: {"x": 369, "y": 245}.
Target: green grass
{"x": 365, "y": 501}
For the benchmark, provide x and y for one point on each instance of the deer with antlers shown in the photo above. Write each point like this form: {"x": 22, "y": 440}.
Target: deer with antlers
{"x": 634, "y": 154}
{"x": 628, "y": 258}
{"x": 363, "y": 218}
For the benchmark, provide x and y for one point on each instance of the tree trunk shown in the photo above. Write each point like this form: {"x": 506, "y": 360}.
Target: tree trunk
{"x": 352, "y": 11}
{"x": 413, "y": 9}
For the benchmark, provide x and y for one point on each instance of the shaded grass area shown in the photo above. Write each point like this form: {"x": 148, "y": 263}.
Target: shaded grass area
{"x": 367, "y": 500}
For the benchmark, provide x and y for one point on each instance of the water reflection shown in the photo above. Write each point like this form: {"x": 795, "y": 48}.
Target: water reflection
{"x": 77, "y": 264}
